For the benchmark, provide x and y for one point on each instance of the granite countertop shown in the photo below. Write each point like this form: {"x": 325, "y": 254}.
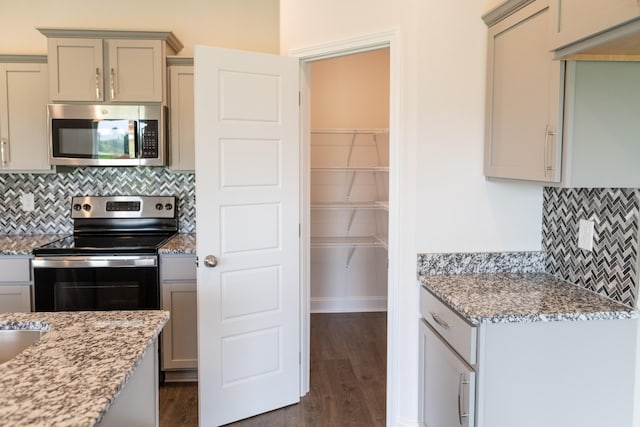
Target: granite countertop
{"x": 71, "y": 376}
{"x": 182, "y": 243}
{"x": 24, "y": 244}
{"x": 521, "y": 297}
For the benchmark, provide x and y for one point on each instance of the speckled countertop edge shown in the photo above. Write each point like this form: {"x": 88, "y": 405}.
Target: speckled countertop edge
{"x": 182, "y": 243}
{"x": 24, "y": 244}
{"x": 72, "y": 375}
{"x": 521, "y": 298}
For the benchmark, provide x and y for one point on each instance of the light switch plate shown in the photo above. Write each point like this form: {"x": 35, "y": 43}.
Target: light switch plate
{"x": 27, "y": 202}
{"x": 585, "y": 235}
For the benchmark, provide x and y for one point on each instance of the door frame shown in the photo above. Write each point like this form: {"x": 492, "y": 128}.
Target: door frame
{"x": 307, "y": 55}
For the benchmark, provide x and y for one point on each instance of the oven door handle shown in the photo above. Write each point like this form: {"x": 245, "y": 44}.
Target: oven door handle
{"x": 96, "y": 261}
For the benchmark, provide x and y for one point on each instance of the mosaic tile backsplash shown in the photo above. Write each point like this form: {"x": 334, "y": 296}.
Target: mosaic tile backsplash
{"x": 611, "y": 269}
{"x": 53, "y": 192}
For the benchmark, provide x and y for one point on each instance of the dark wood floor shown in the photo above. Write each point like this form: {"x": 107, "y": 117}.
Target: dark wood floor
{"x": 348, "y": 379}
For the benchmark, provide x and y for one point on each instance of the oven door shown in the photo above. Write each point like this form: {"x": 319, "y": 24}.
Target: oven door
{"x": 96, "y": 283}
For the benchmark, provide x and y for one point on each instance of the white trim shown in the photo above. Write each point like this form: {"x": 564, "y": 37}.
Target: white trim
{"x": 329, "y": 50}
{"x": 348, "y": 305}
{"x": 344, "y": 47}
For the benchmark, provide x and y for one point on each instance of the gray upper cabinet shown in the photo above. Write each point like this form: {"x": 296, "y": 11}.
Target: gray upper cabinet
{"x": 522, "y": 138}
{"x": 23, "y": 114}
{"x": 181, "y": 106}
{"x": 108, "y": 66}
{"x": 576, "y": 20}
{"x": 601, "y": 126}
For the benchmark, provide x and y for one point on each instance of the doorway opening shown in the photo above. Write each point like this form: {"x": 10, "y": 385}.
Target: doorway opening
{"x": 348, "y": 201}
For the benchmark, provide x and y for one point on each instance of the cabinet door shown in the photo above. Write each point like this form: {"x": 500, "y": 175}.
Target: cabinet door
{"x": 180, "y": 335}
{"x": 23, "y": 117}
{"x": 447, "y": 392}
{"x": 523, "y": 97}
{"x": 579, "y": 19}
{"x": 15, "y": 298}
{"x": 76, "y": 71}
{"x": 179, "y": 338}
{"x": 182, "y": 119}
{"x": 134, "y": 71}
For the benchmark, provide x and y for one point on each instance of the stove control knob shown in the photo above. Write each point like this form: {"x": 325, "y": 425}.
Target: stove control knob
{"x": 168, "y": 206}
{"x": 86, "y": 207}
{"x": 77, "y": 206}
{"x": 158, "y": 206}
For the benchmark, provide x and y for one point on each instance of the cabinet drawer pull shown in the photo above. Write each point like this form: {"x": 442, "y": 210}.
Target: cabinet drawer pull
{"x": 548, "y": 150}
{"x": 112, "y": 83}
{"x": 439, "y": 320}
{"x": 98, "y": 81}
{"x": 461, "y": 382}
{"x": 4, "y": 151}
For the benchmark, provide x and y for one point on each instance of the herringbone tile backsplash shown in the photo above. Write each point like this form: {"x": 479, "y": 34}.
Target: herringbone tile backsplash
{"x": 53, "y": 192}
{"x": 611, "y": 269}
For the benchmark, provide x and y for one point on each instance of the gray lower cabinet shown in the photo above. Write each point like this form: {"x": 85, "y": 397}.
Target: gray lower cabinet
{"x": 179, "y": 351}
{"x": 15, "y": 284}
{"x": 447, "y": 399}
{"x": 525, "y": 374}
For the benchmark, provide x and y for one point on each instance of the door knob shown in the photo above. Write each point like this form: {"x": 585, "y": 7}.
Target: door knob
{"x": 210, "y": 261}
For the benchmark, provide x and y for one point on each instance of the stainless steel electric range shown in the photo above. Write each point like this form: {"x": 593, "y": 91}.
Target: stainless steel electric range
{"x": 111, "y": 261}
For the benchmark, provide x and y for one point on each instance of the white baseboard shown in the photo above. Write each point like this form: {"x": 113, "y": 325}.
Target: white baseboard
{"x": 348, "y": 305}
{"x": 189, "y": 375}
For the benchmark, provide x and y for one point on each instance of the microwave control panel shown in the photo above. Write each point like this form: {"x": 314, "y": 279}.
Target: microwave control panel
{"x": 149, "y": 139}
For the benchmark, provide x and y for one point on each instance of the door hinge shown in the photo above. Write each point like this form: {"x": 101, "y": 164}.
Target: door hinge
{"x": 300, "y": 357}
{"x": 299, "y": 230}
{"x": 299, "y": 99}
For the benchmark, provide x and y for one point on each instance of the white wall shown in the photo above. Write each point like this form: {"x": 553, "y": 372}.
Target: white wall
{"x": 351, "y": 91}
{"x": 245, "y": 24}
{"x": 446, "y": 204}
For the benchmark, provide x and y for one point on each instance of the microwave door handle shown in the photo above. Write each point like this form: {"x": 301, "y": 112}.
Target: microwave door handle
{"x": 133, "y": 140}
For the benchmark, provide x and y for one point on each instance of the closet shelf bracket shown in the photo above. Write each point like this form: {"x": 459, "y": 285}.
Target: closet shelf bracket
{"x": 351, "y": 251}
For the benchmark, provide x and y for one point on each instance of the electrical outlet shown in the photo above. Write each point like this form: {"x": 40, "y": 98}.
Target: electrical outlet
{"x": 27, "y": 202}
{"x": 585, "y": 235}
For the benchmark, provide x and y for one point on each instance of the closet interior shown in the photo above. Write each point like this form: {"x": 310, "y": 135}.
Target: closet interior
{"x": 349, "y": 182}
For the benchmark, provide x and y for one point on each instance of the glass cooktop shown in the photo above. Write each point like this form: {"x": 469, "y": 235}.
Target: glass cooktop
{"x": 105, "y": 243}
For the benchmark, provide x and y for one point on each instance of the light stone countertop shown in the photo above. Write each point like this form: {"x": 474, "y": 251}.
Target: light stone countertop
{"x": 72, "y": 375}
{"x": 182, "y": 243}
{"x": 24, "y": 244}
{"x": 521, "y": 297}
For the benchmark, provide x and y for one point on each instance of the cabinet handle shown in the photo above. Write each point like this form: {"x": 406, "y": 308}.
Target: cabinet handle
{"x": 548, "y": 167}
{"x": 439, "y": 320}
{"x": 98, "y": 84}
{"x": 461, "y": 382}
{"x": 4, "y": 151}
{"x": 112, "y": 83}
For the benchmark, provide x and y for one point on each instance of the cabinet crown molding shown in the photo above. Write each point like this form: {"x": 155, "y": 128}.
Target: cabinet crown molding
{"x": 31, "y": 59}
{"x": 170, "y": 38}
{"x": 498, "y": 13}
{"x": 180, "y": 60}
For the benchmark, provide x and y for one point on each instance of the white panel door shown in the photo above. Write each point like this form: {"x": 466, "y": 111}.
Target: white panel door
{"x": 247, "y": 216}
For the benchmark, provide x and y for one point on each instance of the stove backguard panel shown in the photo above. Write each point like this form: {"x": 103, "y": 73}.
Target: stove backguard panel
{"x": 53, "y": 192}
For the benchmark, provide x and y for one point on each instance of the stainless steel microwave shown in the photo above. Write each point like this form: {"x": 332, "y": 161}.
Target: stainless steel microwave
{"x": 107, "y": 135}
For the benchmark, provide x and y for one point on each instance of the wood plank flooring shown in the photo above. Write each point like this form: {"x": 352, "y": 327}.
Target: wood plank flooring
{"x": 348, "y": 379}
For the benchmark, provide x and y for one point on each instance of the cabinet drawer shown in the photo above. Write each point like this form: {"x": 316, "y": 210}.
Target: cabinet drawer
{"x": 177, "y": 267}
{"x": 15, "y": 269}
{"x": 458, "y": 333}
